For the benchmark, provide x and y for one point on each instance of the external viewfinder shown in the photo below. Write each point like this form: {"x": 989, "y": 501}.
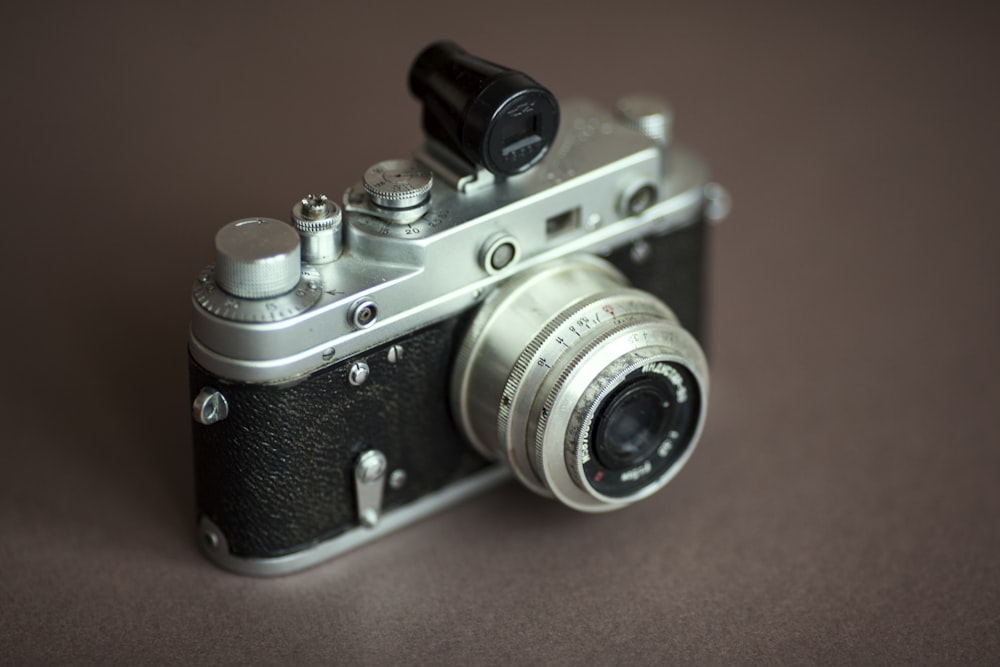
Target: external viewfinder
{"x": 491, "y": 116}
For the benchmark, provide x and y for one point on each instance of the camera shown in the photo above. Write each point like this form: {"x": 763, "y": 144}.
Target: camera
{"x": 522, "y": 297}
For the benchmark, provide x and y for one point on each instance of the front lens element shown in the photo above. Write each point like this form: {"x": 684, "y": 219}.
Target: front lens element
{"x": 632, "y": 424}
{"x": 642, "y": 429}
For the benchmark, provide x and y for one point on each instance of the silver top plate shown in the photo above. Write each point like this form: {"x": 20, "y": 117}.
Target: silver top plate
{"x": 431, "y": 269}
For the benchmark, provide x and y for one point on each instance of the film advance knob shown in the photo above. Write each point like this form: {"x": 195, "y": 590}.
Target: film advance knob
{"x": 399, "y": 184}
{"x": 257, "y": 258}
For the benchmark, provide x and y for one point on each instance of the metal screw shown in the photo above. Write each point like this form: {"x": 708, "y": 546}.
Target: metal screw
{"x": 371, "y": 466}
{"x": 639, "y": 252}
{"x": 359, "y": 373}
{"x": 210, "y": 406}
{"x": 211, "y": 539}
{"x": 593, "y": 221}
{"x": 395, "y": 353}
{"x": 328, "y": 354}
{"x": 397, "y": 479}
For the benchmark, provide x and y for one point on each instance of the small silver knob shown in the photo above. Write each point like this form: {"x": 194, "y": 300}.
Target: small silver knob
{"x": 210, "y": 406}
{"x": 399, "y": 184}
{"x": 369, "y": 485}
{"x": 648, "y": 114}
{"x": 257, "y": 258}
{"x": 318, "y": 221}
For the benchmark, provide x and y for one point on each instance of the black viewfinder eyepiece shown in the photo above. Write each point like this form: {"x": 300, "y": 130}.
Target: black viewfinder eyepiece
{"x": 491, "y": 116}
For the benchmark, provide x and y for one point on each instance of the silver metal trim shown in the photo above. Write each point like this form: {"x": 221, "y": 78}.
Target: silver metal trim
{"x": 213, "y": 544}
{"x": 457, "y": 173}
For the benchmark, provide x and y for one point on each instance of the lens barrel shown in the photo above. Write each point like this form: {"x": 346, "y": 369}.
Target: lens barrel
{"x": 590, "y": 389}
{"x": 492, "y": 116}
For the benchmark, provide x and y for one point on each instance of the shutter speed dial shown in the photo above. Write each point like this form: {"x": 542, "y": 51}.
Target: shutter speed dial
{"x": 396, "y": 191}
{"x": 398, "y": 184}
{"x": 257, "y": 275}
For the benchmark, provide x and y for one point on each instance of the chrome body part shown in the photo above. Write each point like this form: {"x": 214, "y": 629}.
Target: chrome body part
{"x": 433, "y": 268}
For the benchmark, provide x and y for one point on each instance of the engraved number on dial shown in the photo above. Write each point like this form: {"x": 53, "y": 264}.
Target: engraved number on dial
{"x": 426, "y": 226}
{"x": 209, "y": 296}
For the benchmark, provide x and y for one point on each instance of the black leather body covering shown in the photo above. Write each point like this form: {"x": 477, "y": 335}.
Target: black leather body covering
{"x": 276, "y": 476}
{"x": 675, "y": 271}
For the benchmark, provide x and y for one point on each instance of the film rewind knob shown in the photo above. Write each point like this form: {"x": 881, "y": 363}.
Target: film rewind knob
{"x": 257, "y": 258}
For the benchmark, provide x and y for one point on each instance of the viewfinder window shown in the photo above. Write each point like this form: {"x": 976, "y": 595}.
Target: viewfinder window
{"x": 562, "y": 223}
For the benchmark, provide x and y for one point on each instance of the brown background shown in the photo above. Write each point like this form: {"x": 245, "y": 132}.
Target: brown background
{"x": 843, "y": 506}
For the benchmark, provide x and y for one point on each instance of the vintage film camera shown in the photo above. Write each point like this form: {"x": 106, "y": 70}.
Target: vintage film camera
{"x": 497, "y": 305}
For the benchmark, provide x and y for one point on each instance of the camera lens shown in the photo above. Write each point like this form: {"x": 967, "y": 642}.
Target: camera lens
{"x": 590, "y": 389}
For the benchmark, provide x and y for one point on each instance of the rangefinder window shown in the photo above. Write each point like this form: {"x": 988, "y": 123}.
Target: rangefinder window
{"x": 562, "y": 223}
